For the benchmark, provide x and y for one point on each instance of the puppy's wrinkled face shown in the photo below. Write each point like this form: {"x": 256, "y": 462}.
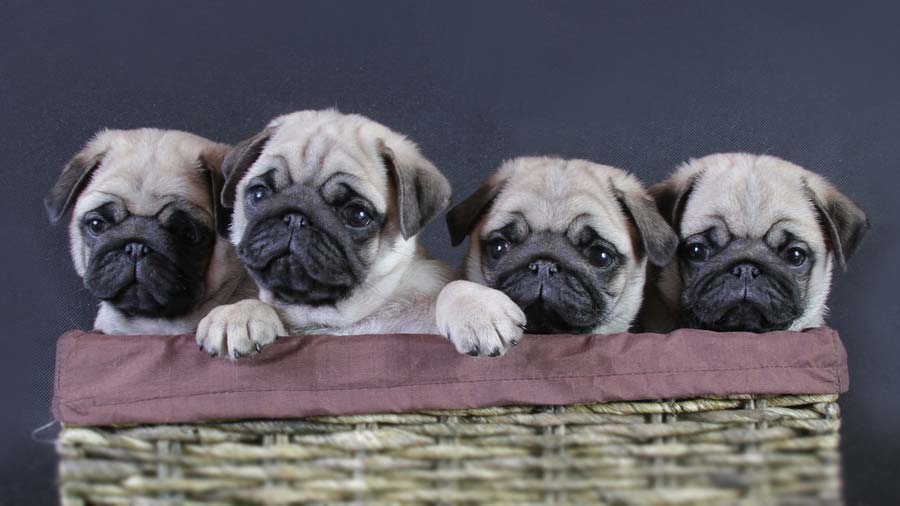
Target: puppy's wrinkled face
{"x": 754, "y": 254}
{"x": 754, "y": 283}
{"x": 313, "y": 241}
{"x": 147, "y": 265}
{"x": 564, "y": 280}
{"x": 320, "y": 198}
{"x": 142, "y": 231}
{"x": 559, "y": 241}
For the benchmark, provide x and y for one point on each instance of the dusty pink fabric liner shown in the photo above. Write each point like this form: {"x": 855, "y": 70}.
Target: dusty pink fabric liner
{"x": 103, "y": 380}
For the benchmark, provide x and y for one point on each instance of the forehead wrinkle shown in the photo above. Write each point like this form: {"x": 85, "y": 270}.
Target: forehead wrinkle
{"x": 796, "y": 229}
{"x": 297, "y": 149}
{"x": 744, "y": 213}
{"x": 132, "y": 190}
{"x": 777, "y": 225}
{"x": 283, "y": 162}
{"x": 543, "y": 211}
{"x": 755, "y": 202}
{"x": 360, "y": 185}
{"x": 321, "y": 147}
{"x": 276, "y": 161}
{"x": 604, "y": 228}
{"x": 357, "y": 134}
{"x": 551, "y": 193}
{"x": 499, "y": 218}
{"x": 711, "y": 222}
{"x": 150, "y": 204}
{"x": 366, "y": 175}
{"x": 754, "y": 218}
{"x": 598, "y": 203}
{"x": 92, "y": 199}
{"x": 281, "y": 174}
{"x": 325, "y": 153}
{"x": 304, "y": 151}
{"x": 319, "y": 156}
{"x": 506, "y": 207}
{"x": 111, "y": 196}
{"x": 611, "y": 226}
{"x": 341, "y": 149}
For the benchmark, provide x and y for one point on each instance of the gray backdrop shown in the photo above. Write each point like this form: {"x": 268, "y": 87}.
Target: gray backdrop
{"x": 638, "y": 85}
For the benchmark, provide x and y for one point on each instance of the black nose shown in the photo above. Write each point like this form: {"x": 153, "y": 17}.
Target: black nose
{"x": 136, "y": 250}
{"x": 745, "y": 271}
{"x": 543, "y": 268}
{"x": 295, "y": 220}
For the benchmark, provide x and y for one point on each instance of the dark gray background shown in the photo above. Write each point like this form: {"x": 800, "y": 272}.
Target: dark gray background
{"x": 637, "y": 85}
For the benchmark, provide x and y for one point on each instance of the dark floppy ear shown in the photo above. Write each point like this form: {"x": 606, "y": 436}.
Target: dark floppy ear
{"x": 672, "y": 198}
{"x": 845, "y": 224}
{"x": 463, "y": 217}
{"x": 422, "y": 191}
{"x": 74, "y": 178}
{"x": 658, "y": 239}
{"x": 238, "y": 161}
{"x": 210, "y": 162}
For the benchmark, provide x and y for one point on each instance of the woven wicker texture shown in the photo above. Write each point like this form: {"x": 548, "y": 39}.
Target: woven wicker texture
{"x": 709, "y": 451}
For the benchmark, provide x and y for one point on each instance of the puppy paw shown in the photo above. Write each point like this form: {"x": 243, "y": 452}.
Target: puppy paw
{"x": 239, "y": 329}
{"x": 478, "y": 320}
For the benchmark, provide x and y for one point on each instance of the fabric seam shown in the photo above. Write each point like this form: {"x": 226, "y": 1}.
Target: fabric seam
{"x": 837, "y": 360}
{"x": 62, "y": 363}
{"x": 90, "y": 402}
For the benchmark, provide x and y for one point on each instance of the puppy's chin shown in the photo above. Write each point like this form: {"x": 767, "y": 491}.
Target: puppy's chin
{"x": 152, "y": 286}
{"x": 740, "y": 317}
{"x": 559, "y": 304}
{"x": 724, "y": 303}
{"x": 298, "y": 264}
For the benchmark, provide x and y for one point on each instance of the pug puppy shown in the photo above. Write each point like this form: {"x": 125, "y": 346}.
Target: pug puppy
{"x": 326, "y": 208}
{"x": 143, "y": 229}
{"x": 557, "y": 246}
{"x": 759, "y": 238}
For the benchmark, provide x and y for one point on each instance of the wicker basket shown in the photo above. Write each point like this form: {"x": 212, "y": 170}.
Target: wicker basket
{"x": 725, "y": 450}
{"x": 766, "y": 451}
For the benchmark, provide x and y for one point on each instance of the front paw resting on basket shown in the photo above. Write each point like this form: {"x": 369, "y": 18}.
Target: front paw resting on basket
{"x": 478, "y": 320}
{"x": 239, "y": 329}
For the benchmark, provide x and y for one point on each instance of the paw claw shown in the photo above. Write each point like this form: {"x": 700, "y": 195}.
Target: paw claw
{"x": 238, "y": 330}
{"x": 476, "y": 319}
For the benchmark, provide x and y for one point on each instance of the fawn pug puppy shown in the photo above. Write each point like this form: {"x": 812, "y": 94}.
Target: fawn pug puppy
{"x": 326, "y": 208}
{"x": 143, "y": 229}
{"x": 561, "y": 244}
{"x": 759, "y": 237}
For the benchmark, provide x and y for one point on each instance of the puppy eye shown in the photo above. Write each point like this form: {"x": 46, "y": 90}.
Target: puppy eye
{"x": 356, "y": 216}
{"x": 96, "y": 226}
{"x": 497, "y": 247}
{"x": 185, "y": 229}
{"x": 190, "y": 233}
{"x": 257, "y": 194}
{"x": 795, "y": 256}
{"x": 601, "y": 257}
{"x": 696, "y": 252}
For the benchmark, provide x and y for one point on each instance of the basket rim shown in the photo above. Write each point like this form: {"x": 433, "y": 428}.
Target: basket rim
{"x": 104, "y": 380}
